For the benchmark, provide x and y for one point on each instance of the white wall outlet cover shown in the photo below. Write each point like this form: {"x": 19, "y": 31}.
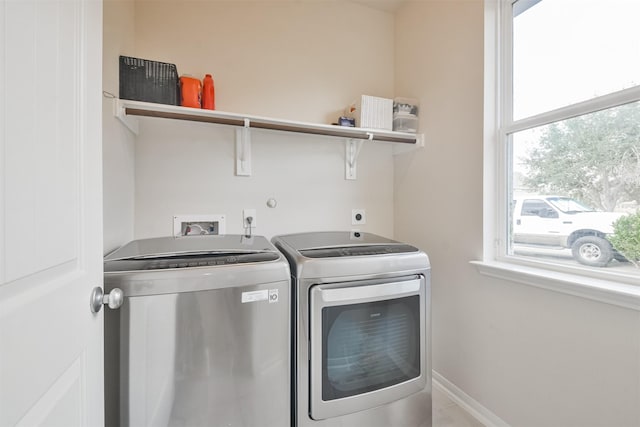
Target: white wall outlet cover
{"x": 358, "y": 217}
{"x": 195, "y": 225}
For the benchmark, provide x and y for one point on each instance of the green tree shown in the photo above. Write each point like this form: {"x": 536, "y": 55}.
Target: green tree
{"x": 626, "y": 237}
{"x": 594, "y": 158}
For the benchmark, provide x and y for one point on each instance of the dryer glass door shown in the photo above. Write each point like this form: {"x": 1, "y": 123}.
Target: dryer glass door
{"x": 367, "y": 345}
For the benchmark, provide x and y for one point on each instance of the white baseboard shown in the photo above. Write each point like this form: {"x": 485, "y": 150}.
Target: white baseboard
{"x": 466, "y": 402}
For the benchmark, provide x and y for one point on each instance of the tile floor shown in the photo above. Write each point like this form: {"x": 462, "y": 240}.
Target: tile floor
{"x": 447, "y": 413}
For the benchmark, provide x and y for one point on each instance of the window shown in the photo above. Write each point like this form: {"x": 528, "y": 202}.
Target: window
{"x": 367, "y": 347}
{"x": 564, "y": 113}
{"x": 533, "y": 207}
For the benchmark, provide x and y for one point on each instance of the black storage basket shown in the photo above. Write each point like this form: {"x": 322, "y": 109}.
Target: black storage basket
{"x": 149, "y": 81}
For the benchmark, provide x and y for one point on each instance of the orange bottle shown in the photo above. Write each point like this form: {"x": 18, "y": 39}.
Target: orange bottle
{"x": 208, "y": 93}
{"x": 190, "y": 92}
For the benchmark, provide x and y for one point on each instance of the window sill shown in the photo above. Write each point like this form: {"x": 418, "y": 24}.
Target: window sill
{"x": 606, "y": 291}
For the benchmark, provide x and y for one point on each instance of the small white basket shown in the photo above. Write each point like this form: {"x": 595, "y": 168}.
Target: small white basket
{"x": 372, "y": 112}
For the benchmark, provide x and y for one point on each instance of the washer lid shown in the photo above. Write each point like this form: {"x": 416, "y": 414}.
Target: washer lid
{"x": 162, "y": 247}
{"x": 343, "y": 243}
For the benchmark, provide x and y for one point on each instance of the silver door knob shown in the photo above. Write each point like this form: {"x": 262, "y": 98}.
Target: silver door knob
{"x": 114, "y": 299}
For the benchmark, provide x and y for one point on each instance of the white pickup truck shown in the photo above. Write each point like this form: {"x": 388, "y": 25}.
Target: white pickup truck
{"x": 562, "y": 222}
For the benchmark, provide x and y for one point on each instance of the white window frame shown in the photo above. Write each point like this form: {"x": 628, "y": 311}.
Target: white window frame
{"x": 605, "y": 286}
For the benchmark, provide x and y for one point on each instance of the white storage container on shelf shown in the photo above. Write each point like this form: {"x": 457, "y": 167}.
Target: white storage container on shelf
{"x": 405, "y": 115}
{"x": 372, "y": 112}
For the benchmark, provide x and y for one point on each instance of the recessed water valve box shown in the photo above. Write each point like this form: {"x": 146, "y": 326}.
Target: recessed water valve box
{"x": 198, "y": 225}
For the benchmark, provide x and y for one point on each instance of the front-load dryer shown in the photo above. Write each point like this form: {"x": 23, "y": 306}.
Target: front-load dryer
{"x": 361, "y": 330}
{"x": 203, "y": 335}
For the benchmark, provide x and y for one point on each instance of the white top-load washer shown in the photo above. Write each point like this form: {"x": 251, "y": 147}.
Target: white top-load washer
{"x": 203, "y": 335}
{"x": 361, "y": 337}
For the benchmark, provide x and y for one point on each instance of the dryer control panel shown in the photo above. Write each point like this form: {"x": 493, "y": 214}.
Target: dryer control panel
{"x": 365, "y": 250}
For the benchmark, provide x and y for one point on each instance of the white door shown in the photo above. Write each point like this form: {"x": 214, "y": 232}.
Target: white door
{"x": 51, "y": 363}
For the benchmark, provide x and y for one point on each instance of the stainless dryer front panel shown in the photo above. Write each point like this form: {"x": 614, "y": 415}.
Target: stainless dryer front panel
{"x": 329, "y": 267}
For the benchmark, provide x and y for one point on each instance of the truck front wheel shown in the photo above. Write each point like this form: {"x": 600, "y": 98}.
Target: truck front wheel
{"x": 592, "y": 251}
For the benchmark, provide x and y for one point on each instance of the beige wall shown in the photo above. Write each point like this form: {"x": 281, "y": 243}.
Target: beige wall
{"x": 533, "y": 357}
{"x": 176, "y": 174}
{"x": 294, "y": 60}
{"x": 297, "y": 60}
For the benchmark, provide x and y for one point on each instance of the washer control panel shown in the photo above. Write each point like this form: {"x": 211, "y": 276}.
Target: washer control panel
{"x": 188, "y": 261}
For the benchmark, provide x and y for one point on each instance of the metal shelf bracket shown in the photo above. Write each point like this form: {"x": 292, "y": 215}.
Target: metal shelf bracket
{"x": 352, "y": 151}
{"x": 120, "y": 113}
{"x": 243, "y": 149}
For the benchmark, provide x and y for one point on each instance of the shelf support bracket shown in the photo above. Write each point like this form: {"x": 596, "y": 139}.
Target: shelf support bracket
{"x": 120, "y": 113}
{"x": 352, "y": 151}
{"x": 243, "y": 149}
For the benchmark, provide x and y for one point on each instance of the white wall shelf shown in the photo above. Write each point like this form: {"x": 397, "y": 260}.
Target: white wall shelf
{"x": 127, "y": 110}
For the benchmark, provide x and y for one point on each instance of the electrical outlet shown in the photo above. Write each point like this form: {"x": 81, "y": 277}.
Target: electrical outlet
{"x": 358, "y": 217}
{"x": 246, "y": 213}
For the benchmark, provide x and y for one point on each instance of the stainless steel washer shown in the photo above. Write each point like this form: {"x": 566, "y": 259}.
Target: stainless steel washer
{"x": 362, "y": 345}
{"x": 203, "y": 335}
